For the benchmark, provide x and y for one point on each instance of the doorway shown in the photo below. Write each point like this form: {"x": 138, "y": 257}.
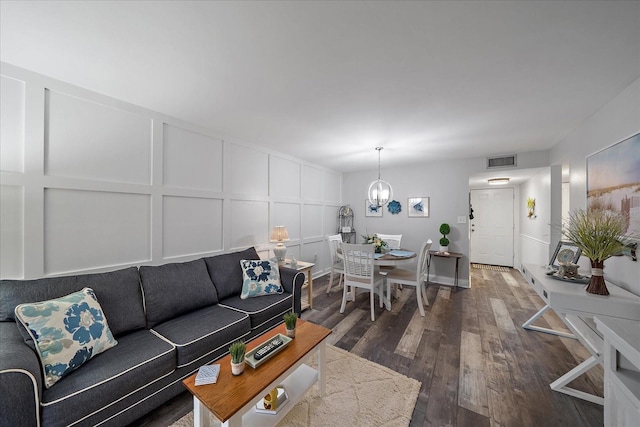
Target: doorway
{"x": 491, "y": 229}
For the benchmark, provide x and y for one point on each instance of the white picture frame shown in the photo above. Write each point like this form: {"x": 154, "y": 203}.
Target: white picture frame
{"x": 418, "y": 207}
{"x": 371, "y": 210}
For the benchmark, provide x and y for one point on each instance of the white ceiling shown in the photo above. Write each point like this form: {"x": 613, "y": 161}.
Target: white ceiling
{"x": 329, "y": 81}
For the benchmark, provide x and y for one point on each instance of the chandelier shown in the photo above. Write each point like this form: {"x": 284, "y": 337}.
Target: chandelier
{"x": 380, "y": 191}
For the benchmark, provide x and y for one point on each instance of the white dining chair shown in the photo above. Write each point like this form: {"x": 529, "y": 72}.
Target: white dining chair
{"x": 337, "y": 266}
{"x": 359, "y": 272}
{"x": 393, "y": 240}
{"x": 416, "y": 277}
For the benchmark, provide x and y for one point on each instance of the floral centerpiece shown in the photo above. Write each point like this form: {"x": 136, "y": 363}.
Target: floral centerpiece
{"x": 379, "y": 244}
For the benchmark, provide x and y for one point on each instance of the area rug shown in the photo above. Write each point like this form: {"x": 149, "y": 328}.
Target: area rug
{"x": 490, "y": 267}
{"x": 358, "y": 393}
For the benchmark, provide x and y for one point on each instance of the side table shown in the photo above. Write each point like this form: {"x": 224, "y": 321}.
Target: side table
{"x": 452, "y": 255}
{"x": 305, "y": 268}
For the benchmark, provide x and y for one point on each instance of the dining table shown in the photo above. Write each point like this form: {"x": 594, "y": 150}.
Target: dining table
{"x": 391, "y": 258}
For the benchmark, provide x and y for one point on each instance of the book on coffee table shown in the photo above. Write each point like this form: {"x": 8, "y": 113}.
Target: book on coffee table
{"x": 282, "y": 400}
{"x": 207, "y": 374}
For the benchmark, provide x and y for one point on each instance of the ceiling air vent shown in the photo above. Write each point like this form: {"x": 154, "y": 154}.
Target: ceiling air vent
{"x": 501, "y": 162}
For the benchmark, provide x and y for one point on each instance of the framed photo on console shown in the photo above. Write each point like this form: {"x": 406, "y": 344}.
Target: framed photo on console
{"x": 566, "y": 252}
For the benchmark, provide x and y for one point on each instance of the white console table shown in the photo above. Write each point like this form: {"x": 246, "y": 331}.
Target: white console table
{"x": 577, "y": 309}
{"x": 621, "y": 371}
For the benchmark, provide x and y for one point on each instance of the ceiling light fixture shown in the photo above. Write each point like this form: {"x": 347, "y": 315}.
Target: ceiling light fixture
{"x": 380, "y": 192}
{"x": 498, "y": 181}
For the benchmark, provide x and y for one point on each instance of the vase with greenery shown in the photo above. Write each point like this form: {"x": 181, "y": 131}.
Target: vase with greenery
{"x": 444, "y": 242}
{"x": 600, "y": 235}
{"x": 290, "y": 320}
{"x": 237, "y": 351}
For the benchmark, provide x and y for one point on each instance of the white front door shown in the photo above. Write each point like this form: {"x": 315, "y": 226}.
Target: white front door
{"x": 492, "y": 227}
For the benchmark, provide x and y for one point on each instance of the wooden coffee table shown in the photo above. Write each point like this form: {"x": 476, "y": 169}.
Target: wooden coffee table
{"x": 232, "y": 399}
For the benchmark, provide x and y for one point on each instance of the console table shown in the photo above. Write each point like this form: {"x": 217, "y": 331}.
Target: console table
{"x": 577, "y": 309}
{"x": 451, "y": 255}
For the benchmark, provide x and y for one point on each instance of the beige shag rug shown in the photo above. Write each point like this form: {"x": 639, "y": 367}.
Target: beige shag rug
{"x": 358, "y": 393}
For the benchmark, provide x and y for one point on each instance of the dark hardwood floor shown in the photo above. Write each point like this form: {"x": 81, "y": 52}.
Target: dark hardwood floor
{"x": 477, "y": 365}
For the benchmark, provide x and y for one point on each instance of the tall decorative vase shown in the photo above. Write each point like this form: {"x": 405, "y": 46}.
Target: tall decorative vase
{"x": 596, "y": 284}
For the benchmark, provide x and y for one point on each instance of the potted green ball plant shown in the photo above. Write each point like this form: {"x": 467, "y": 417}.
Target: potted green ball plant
{"x": 444, "y": 242}
{"x": 237, "y": 351}
{"x": 600, "y": 235}
{"x": 290, "y": 320}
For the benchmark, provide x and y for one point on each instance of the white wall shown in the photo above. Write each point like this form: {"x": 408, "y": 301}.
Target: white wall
{"x": 446, "y": 183}
{"x": 535, "y": 234}
{"x": 89, "y": 183}
{"x": 614, "y": 122}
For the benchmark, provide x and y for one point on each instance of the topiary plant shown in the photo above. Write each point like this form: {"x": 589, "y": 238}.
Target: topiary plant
{"x": 444, "y": 230}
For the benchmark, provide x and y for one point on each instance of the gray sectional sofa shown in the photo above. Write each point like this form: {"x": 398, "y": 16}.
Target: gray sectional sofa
{"x": 168, "y": 320}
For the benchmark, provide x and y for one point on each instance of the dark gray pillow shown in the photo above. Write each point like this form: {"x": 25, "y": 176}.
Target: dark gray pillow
{"x": 118, "y": 292}
{"x": 226, "y": 272}
{"x": 174, "y": 289}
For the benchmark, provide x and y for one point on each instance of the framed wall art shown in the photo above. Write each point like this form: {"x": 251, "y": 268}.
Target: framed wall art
{"x": 371, "y": 209}
{"x": 613, "y": 180}
{"x": 418, "y": 207}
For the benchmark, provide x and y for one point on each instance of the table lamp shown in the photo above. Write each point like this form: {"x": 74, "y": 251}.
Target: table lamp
{"x": 279, "y": 234}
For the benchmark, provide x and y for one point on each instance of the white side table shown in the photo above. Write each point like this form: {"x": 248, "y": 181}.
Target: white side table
{"x": 304, "y": 267}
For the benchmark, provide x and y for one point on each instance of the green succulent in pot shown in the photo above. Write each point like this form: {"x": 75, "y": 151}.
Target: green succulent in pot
{"x": 290, "y": 320}
{"x": 237, "y": 351}
{"x": 600, "y": 234}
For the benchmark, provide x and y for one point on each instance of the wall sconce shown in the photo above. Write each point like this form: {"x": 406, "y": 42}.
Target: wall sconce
{"x": 279, "y": 234}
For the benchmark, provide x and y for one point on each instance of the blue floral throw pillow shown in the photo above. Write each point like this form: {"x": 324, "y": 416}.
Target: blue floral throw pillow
{"x": 261, "y": 277}
{"x": 67, "y": 332}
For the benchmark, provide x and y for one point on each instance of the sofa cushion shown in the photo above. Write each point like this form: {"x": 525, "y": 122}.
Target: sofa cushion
{"x": 139, "y": 359}
{"x": 226, "y": 273}
{"x": 118, "y": 292}
{"x": 174, "y": 289}
{"x": 67, "y": 332}
{"x": 202, "y": 332}
{"x": 260, "y": 277}
{"x": 261, "y": 310}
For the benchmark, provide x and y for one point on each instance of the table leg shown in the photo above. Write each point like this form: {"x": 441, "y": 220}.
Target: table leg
{"x": 322, "y": 364}
{"x": 428, "y": 268}
{"x": 455, "y": 277}
{"x": 310, "y": 289}
{"x": 201, "y": 416}
{"x": 559, "y": 385}
{"x": 528, "y": 325}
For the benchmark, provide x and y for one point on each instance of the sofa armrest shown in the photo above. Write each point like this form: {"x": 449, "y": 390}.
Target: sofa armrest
{"x": 292, "y": 281}
{"x": 20, "y": 379}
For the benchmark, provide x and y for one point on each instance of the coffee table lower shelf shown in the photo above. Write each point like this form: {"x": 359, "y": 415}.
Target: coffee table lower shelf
{"x": 296, "y": 384}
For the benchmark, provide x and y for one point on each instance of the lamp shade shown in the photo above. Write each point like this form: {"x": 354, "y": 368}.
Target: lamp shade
{"x": 279, "y": 234}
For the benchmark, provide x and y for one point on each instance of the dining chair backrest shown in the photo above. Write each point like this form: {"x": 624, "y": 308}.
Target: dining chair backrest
{"x": 421, "y": 268}
{"x": 358, "y": 262}
{"x": 334, "y": 243}
{"x": 393, "y": 240}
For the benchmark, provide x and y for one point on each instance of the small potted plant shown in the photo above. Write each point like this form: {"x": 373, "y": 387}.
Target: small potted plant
{"x": 237, "y": 351}
{"x": 444, "y": 242}
{"x": 600, "y": 235}
{"x": 290, "y": 320}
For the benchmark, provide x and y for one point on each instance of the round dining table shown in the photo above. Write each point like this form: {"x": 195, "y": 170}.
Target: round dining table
{"x": 390, "y": 259}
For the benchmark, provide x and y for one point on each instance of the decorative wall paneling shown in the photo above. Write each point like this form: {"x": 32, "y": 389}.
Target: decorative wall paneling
{"x": 89, "y": 183}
